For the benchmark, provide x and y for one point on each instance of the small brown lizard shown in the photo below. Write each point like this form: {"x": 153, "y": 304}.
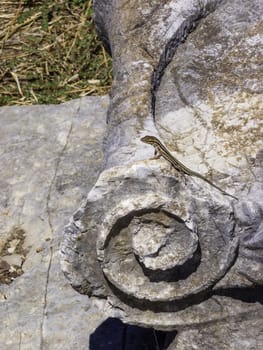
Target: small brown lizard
{"x": 162, "y": 151}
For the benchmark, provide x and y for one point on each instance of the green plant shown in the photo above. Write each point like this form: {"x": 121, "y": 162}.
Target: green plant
{"x": 51, "y": 53}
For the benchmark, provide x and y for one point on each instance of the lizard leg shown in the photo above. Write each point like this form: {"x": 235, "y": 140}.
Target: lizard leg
{"x": 157, "y": 155}
{"x": 182, "y": 176}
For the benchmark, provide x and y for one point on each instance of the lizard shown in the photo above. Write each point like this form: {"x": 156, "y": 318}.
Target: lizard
{"x": 162, "y": 151}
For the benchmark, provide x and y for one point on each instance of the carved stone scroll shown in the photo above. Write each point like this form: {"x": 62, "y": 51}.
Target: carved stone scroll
{"x": 167, "y": 250}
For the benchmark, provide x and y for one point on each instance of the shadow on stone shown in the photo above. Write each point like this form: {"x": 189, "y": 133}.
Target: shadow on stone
{"x": 248, "y": 295}
{"x": 115, "y": 335}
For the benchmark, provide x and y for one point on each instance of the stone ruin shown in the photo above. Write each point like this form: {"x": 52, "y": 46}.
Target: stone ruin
{"x": 164, "y": 250}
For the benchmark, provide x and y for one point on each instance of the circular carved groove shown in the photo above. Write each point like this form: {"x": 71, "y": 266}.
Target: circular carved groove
{"x": 157, "y": 256}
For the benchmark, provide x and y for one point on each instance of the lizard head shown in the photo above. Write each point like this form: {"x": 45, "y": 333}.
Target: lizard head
{"x": 152, "y": 140}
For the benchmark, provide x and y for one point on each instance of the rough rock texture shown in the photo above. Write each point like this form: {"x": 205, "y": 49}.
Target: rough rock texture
{"x": 165, "y": 250}
{"x": 50, "y": 158}
{"x": 148, "y": 245}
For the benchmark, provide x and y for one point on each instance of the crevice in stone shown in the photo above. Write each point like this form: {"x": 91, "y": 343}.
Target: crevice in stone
{"x": 45, "y": 300}
{"x": 248, "y": 295}
{"x": 178, "y": 38}
{"x": 20, "y": 340}
{"x": 159, "y": 306}
{"x": 221, "y": 320}
{"x": 48, "y": 211}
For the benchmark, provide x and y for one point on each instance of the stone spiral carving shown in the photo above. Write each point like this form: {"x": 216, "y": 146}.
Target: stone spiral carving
{"x": 156, "y": 249}
{"x": 156, "y": 254}
{"x": 164, "y": 251}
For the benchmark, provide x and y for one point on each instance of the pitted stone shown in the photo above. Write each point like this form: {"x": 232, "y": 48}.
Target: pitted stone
{"x": 187, "y": 73}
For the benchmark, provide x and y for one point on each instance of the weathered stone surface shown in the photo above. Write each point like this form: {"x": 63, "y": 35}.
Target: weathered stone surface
{"x": 211, "y": 97}
{"x": 148, "y": 245}
{"x": 232, "y": 334}
{"x": 50, "y": 158}
{"x": 142, "y": 37}
{"x": 124, "y": 244}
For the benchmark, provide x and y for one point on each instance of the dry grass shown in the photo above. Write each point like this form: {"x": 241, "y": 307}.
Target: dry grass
{"x": 49, "y": 52}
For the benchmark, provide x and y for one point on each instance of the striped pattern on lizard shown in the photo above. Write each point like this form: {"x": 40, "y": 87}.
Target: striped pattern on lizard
{"x": 162, "y": 151}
